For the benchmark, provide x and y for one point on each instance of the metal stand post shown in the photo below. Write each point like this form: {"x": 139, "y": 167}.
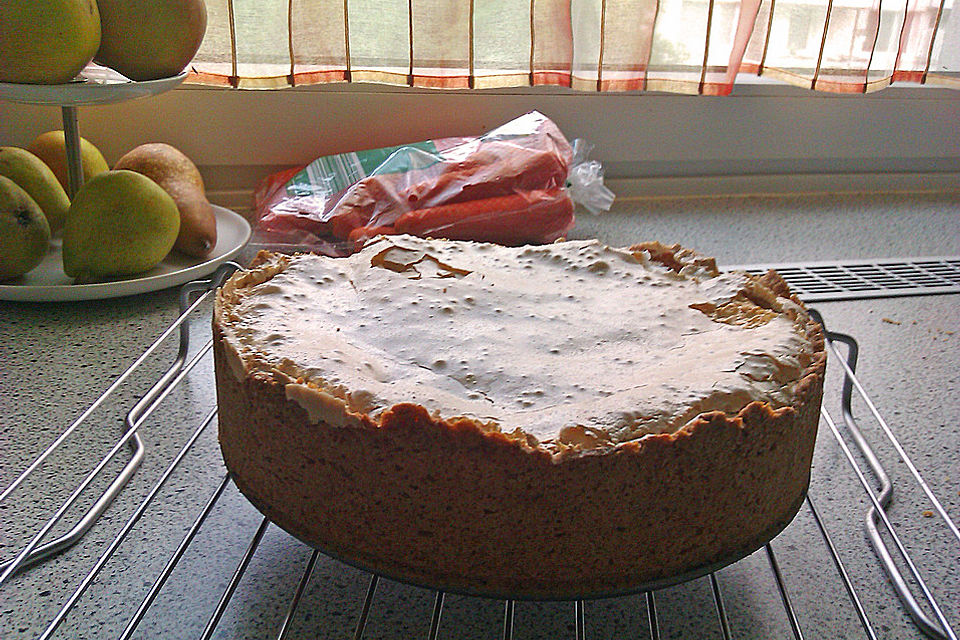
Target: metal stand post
{"x": 71, "y": 134}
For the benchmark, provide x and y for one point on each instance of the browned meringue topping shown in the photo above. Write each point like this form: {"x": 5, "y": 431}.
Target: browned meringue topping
{"x": 573, "y": 346}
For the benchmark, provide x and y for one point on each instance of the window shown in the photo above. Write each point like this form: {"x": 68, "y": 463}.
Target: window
{"x": 762, "y": 136}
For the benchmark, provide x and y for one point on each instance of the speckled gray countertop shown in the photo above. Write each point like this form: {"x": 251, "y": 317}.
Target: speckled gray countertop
{"x": 57, "y": 359}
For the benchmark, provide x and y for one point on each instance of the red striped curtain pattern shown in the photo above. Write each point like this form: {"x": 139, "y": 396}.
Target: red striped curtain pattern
{"x": 683, "y": 46}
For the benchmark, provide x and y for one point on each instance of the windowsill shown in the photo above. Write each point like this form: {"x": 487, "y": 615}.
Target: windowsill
{"x": 748, "y": 85}
{"x": 766, "y": 136}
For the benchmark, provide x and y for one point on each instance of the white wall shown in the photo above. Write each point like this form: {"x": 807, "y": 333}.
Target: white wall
{"x": 908, "y": 134}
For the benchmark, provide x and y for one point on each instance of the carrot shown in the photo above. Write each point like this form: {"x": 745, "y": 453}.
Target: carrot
{"x": 496, "y": 169}
{"x": 540, "y": 160}
{"x": 361, "y": 234}
{"x": 342, "y": 226}
{"x": 528, "y": 216}
{"x": 364, "y": 203}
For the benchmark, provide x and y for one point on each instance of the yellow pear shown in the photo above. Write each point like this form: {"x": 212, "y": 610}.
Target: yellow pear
{"x": 36, "y": 178}
{"x": 150, "y": 39}
{"x": 24, "y": 233}
{"x": 51, "y": 147}
{"x": 179, "y": 177}
{"x": 120, "y": 223}
{"x": 47, "y": 41}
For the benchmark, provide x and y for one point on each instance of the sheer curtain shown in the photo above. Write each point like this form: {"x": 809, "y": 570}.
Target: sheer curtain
{"x": 683, "y": 46}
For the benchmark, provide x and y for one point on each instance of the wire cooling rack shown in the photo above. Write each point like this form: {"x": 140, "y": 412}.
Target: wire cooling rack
{"x": 912, "y": 582}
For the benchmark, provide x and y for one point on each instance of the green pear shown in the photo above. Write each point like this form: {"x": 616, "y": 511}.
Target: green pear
{"x": 176, "y": 173}
{"x": 37, "y": 179}
{"x": 24, "y": 232}
{"x": 47, "y": 41}
{"x": 51, "y": 147}
{"x": 150, "y": 39}
{"x": 120, "y": 223}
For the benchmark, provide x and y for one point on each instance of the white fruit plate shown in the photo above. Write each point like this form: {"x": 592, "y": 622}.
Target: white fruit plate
{"x": 95, "y": 85}
{"x": 48, "y": 282}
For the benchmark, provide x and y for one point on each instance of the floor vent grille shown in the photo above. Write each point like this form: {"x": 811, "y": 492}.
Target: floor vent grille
{"x": 856, "y": 279}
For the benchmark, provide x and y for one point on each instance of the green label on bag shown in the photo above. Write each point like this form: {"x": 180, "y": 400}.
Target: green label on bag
{"x": 330, "y": 174}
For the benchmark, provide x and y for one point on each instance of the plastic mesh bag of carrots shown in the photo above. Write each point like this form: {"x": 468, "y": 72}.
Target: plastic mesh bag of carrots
{"x": 517, "y": 184}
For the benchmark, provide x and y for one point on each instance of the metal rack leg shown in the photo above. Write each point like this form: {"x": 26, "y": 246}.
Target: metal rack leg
{"x": 12, "y": 566}
{"x": 71, "y": 135}
{"x": 70, "y": 538}
{"x": 946, "y": 629}
{"x": 891, "y": 437}
{"x": 885, "y": 495}
{"x": 143, "y": 407}
{"x": 128, "y": 372}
